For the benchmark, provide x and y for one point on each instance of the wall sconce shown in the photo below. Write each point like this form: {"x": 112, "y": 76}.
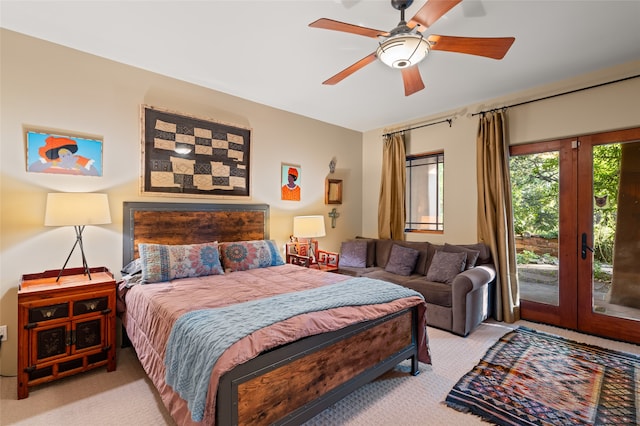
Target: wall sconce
{"x": 78, "y": 210}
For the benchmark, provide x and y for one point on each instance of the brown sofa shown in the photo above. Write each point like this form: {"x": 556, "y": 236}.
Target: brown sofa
{"x": 456, "y": 280}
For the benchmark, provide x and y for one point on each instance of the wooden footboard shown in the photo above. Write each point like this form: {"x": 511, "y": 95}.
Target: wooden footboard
{"x": 293, "y": 383}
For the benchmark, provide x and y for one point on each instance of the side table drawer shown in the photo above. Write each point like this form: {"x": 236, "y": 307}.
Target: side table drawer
{"x": 90, "y": 305}
{"x": 48, "y": 312}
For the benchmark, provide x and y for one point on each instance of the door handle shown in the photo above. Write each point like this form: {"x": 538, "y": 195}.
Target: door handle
{"x": 585, "y": 247}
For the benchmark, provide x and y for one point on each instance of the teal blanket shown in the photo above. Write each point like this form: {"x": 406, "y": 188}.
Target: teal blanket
{"x": 199, "y": 338}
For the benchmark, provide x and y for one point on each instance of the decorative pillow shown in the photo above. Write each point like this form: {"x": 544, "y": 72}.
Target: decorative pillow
{"x": 167, "y": 262}
{"x": 472, "y": 255}
{"x": 353, "y": 253}
{"x": 371, "y": 250}
{"x": 445, "y": 266}
{"x": 402, "y": 260}
{"x": 244, "y": 255}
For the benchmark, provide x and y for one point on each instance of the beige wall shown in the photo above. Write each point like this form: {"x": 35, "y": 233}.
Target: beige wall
{"x": 609, "y": 107}
{"x": 55, "y": 88}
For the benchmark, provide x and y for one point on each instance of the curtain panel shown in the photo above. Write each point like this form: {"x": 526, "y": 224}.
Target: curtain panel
{"x": 495, "y": 213}
{"x": 391, "y": 205}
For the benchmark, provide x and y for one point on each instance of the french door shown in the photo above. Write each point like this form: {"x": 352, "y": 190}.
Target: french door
{"x": 576, "y": 216}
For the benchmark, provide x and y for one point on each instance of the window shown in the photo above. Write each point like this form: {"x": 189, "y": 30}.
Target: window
{"x": 424, "y": 195}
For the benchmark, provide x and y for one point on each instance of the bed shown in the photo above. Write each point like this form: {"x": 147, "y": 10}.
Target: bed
{"x": 281, "y": 373}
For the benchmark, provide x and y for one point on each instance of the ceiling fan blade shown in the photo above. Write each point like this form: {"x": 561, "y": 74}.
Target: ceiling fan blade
{"x": 351, "y": 69}
{"x": 490, "y": 47}
{"x": 412, "y": 80}
{"x": 431, "y": 12}
{"x": 330, "y": 24}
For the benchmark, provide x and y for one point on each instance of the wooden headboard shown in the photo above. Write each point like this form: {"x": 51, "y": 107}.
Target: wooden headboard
{"x": 190, "y": 223}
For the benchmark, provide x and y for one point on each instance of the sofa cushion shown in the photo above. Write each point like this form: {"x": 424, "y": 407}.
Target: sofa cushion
{"x": 402, "y": 260}
{"x": 353, "y": 253}
{"x": 445, "y": 266}
{"x": 383, "y": 250}
{"x": 371, "y": 250}
{"x": 434, "y": 292}
{"x": 381, "y": 274}
{"x": 472, "y": 255}
{"x": 485, "y": 252}
{"x": 357, "y": 272}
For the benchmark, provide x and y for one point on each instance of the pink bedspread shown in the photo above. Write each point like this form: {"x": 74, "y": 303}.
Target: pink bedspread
{"x": 152, "y": 309}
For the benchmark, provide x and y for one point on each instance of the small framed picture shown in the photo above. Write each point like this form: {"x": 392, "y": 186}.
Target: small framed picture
{"x": 291, "y": 181}
{"x": 63, "y": 154}
{"x": 333, "y": 191}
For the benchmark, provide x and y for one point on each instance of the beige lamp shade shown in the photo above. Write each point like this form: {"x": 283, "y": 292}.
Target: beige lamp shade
{"x": 77, "y": 208}
{"x": 308, "y": 226}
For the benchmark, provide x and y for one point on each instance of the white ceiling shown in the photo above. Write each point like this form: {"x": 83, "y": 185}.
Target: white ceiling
{"x": 264, "y": 51}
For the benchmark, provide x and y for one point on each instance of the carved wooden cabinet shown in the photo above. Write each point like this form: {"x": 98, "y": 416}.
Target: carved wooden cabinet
{"x": 65, "y": 326}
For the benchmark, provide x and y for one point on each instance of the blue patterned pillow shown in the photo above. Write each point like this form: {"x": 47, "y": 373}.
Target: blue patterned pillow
{"x": 167, "y": 262}
{"x": 243, "y": 255}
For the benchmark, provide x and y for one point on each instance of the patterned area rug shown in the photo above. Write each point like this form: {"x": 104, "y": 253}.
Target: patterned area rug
{"x": 533, "y": 378}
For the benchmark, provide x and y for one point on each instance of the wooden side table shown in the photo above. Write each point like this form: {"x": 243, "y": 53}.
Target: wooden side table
{"x": 65, "y": 327}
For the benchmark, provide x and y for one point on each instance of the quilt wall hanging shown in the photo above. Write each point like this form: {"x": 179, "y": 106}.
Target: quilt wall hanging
{"x": 189, "y": 156}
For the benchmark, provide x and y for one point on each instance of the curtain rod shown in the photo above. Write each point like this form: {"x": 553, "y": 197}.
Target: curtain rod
{"x": 448, "y": 120}
{"x": 556, "y": 95}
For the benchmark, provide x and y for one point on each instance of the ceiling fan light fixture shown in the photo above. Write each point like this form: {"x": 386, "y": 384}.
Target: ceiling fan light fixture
{"x": 403, "y": 50}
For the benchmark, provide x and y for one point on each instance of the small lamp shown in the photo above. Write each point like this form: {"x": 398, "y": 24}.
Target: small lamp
{"x": 78, "y": 210}
{"x": 309, "y": 227}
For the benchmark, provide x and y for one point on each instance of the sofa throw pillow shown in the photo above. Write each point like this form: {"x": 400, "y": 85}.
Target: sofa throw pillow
{"x": 244, "y": 255}
{"x": 371, "y": 250}
{"x": 472, "y": 255}
{"x": 167, "y": 262}
{"x": 402, "y": 260}
{"x": 445, "y": 266}
{"x": 353, "y": 253}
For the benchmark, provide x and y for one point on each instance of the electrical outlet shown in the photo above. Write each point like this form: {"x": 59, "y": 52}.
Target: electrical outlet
{"x": 3, "y": 332}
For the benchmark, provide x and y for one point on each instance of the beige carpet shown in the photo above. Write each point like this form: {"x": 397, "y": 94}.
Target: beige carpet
{"x": 126, "y": 396}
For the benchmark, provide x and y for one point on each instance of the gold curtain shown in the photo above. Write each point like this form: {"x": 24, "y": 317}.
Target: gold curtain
{"x": 495, "y": 213}
{"x": 391, "y": 207}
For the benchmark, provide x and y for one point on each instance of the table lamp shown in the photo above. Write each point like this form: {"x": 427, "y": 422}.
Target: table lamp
{"x": 77, "y": 209}
{"x": 309, "y": 227}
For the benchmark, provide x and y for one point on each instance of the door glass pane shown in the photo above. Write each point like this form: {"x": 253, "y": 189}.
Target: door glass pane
{"x": 536, "y": 207}
{"x": 616, "y": 233}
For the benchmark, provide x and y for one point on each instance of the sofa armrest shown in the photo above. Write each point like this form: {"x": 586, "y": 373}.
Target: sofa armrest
{"x": 469, "y": 297}
{"x": 472, "y": 279}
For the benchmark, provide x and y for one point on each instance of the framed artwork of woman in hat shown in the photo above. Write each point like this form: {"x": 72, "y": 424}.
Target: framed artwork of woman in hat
{"x": 290, "y": 182}
{"x": 47, "y": 153}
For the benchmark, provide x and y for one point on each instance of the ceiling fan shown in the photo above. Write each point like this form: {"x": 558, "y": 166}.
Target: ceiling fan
{"x": 405, "y": 46}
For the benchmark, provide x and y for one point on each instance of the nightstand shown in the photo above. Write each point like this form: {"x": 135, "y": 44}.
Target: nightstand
{"x": 65, "y": 327}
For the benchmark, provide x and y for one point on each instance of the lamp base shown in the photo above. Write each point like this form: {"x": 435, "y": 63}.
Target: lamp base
{"x": 313, "y": 248}
{"x": 78, "y": 242}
